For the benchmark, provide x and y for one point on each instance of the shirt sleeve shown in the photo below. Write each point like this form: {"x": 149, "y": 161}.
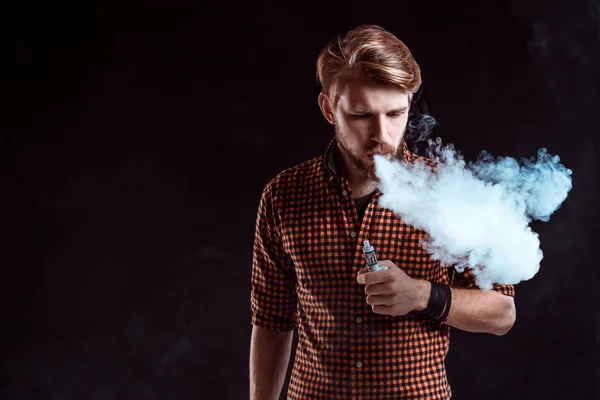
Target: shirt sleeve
{"x": 273, "y": 295}
{"x": 466, "y": 279}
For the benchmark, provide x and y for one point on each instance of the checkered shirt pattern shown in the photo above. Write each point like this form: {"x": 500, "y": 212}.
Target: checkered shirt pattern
{"x": 307, "y": 251}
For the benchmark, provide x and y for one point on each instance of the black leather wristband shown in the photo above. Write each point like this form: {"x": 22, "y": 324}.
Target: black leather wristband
{"x": 439, "y": 303}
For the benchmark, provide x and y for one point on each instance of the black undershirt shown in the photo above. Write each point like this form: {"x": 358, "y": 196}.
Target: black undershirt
{"x": 361, "y": 204}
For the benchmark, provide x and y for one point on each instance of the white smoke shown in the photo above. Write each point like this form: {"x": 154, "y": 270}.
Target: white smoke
{"x": 477, "y": 214}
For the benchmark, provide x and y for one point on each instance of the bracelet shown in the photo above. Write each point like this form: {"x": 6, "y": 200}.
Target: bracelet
{"x": 440, "y": 300}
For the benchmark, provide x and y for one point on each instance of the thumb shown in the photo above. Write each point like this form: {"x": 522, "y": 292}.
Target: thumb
{"x": 386, "y": 263}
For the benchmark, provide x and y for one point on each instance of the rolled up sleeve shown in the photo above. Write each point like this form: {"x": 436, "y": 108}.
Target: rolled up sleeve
{"x": 273, "y": 295}
{"x": 466, "y": 279}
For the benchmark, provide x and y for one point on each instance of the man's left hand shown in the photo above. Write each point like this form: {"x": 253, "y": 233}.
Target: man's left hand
{"x": 392, "y": 291}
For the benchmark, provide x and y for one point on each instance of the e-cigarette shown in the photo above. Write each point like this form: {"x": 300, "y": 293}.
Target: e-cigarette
{"x": 371, "y": 258}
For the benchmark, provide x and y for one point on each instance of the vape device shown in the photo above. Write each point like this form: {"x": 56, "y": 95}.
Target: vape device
{"x": 371, "y": 258}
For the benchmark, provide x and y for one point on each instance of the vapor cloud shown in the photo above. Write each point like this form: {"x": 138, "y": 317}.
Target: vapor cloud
{"x": 477, "y": 214}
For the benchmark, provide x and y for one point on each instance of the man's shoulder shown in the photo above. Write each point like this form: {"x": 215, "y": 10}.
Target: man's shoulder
{"x": 420, "y": 159}
{"x": 296, "y": 177}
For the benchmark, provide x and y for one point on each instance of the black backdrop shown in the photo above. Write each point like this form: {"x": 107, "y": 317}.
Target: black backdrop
{"x": 136, "y": 141}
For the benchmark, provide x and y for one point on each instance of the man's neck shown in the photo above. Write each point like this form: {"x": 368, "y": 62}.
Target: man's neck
{"x": 362, "y": 191}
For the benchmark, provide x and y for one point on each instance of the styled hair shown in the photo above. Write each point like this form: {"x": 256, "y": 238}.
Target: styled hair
{"x": 370, "y": 52}
{"x": 366, "y": 52}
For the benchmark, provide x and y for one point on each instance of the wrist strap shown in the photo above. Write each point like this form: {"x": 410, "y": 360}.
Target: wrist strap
{"x": 440, "y": 301}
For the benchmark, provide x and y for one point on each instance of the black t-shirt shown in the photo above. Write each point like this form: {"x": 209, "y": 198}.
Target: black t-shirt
{"x": 361, "y": 204}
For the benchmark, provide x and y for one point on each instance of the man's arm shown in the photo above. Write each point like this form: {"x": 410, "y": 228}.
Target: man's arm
{"x": 393, "y": 292}
{"x": 475, "y": 310}
{"x": 269, "y": 357}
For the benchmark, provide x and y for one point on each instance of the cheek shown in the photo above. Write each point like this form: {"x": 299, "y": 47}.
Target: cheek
{"x": 355, "y": 131}
{"x": 397, "y": 127}
{"x": 399, "y": 123}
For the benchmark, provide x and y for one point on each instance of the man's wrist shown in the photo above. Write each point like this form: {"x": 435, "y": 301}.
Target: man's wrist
{"x": 424, "y": 293}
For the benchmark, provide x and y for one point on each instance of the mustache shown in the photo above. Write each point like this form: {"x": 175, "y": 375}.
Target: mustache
{"x": 382, "y": 149}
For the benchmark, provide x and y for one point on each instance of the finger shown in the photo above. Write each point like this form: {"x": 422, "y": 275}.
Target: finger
{"x": 376, "y": 289}
{"x": 363, "y": 270}
{"x": 381, "y": 300}
{"x": 374, "y": 277}
{"x": 380, "y": 309}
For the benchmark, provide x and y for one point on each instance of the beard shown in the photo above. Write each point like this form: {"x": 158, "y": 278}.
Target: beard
{"x": 356, "y": 160}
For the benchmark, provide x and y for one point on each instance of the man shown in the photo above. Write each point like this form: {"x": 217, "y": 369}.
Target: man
{"x": 361, "y": 335}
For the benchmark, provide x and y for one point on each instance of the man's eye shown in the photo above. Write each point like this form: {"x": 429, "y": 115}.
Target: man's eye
{"x": 392, "y": 115}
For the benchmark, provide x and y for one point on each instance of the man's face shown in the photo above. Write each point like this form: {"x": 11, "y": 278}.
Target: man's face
{"x": 370, "y": 119}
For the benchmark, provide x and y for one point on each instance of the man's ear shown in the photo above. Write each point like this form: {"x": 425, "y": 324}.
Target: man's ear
{"x": 325, "y": 106}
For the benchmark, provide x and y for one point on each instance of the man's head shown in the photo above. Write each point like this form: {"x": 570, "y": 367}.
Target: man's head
{"x": 368, "y": 78}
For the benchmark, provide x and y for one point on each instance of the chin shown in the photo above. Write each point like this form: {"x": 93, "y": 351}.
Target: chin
{"x": 372, "y": 176}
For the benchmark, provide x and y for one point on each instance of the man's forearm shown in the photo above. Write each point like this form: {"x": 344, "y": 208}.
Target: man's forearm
{"x": 475, "y": 310}
{"x": 269, "y": 357}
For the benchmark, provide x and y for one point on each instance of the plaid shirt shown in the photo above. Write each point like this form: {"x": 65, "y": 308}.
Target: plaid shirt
{"x": 307, "y": 251}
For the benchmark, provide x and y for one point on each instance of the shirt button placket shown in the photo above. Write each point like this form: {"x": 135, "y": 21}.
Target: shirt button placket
{"x": 359, "y": 364}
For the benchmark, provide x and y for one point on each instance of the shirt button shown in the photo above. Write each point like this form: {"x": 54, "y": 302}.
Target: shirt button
{"x": 330, "y": 178}
{"x": 358, "y": 320}
{"x": 353, "y": 234}
{"x": 345, "y": 193}
{"x": 359, "y": 364}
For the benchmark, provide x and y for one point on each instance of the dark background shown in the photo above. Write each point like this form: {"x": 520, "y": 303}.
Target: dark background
{"x": 137, "y": 139}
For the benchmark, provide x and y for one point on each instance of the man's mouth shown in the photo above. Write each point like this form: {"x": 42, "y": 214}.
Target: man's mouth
{"x": 378, "y": 154}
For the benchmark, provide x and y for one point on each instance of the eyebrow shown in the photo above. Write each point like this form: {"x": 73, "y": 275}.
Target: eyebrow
{"x": 364, "y": 111}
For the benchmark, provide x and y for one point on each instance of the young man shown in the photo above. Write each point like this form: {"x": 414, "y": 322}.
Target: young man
{"x": 361, "y": 335}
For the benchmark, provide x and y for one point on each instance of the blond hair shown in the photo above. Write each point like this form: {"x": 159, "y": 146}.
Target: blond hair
{"x": 367, "y": 52}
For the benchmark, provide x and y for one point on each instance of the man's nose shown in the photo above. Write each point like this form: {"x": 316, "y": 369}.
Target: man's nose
{"x": 379, "y": 129}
